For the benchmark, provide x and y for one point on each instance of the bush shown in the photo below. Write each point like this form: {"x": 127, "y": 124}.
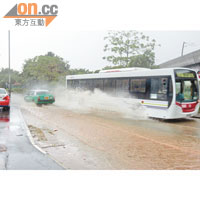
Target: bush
{"x": 17, "y": 90}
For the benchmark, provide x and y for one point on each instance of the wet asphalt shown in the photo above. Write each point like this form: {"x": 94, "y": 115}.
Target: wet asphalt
{"x": 16, "y": 150}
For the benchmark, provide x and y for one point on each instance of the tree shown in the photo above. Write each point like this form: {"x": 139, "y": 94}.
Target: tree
{"x": 50, "y": 54}
{"x": 129, "y": 49}
{"x": 146, "y": 59}
{"x": 79, "y": 71}
{"x": 47, "y": 68}
{"x": 15, "y": 77}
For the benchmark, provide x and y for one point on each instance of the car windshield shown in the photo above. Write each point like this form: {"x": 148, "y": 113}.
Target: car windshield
{"x": 186, "y": 90}
{"x": 42, "y": 93}
{"x": 2, "y": 91}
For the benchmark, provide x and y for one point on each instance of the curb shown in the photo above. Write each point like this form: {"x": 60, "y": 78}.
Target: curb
{"x": 28, "y": 133}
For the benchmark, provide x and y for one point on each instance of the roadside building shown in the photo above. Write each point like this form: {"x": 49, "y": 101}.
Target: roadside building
{"x": 191, "y": 60}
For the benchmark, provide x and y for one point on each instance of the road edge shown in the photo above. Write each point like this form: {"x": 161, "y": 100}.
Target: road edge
{"x": 28, "y": 133}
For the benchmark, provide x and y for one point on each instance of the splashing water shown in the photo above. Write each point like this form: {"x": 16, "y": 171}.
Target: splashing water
{"x": 99, "y": 102}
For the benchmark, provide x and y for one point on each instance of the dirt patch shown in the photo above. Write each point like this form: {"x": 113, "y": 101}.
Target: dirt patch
{"x": 37, "y": 133}
{"x": 3, "y": 148}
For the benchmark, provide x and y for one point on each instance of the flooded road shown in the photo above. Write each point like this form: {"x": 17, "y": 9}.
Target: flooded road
{"x": 16, "y": 151}
{"x": 105, "y": 140}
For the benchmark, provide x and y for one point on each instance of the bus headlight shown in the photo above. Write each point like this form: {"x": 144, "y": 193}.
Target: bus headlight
{"x": 184, "y": 106}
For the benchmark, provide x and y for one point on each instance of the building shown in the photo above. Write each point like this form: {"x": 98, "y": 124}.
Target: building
{"x": 191, "y": 60}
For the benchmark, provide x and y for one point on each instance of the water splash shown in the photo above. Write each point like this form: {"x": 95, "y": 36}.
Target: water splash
{"x": 99, "y": 102}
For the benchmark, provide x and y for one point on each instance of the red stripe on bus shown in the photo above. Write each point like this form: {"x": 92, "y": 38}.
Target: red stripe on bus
{"x": 187, "y": 107}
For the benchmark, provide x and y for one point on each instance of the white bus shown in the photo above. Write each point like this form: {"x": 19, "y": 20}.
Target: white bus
{"x": 165, "y": 93}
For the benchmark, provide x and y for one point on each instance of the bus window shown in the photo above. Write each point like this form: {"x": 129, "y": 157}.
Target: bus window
{"x": 89, "y": 84}
{"x": 186, "y": 90}
{"x": 109, "y": 85}
{"x": 82, "y": 84}
{"x": 70, "y": 84}
{"x": 98, "y": 83}
{"x": 138, "y": 88}
{"x": 75, "y": 83}
{"x": 138, "y": 85}
{"x": 178, "y": 87}
{"x": 122, "y": 86}
{"x": 159, "y": 88}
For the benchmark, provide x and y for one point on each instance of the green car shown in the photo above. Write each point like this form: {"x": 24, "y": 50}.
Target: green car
{"x": 39, "y": 97}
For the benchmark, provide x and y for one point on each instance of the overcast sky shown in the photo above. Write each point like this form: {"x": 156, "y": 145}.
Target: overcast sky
{"x": 84, "y": 49}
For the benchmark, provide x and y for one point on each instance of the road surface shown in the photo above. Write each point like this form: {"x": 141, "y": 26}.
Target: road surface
{"x": 16, "y": 151}
{"x": 106, "y": 140}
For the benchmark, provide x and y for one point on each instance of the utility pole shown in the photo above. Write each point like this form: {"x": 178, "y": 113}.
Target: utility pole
{"x": 183, "y": 48}
{"x": 9, "y": 75}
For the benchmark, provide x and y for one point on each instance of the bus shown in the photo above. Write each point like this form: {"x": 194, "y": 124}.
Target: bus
{"x": 198, "y": 76}
{"x": 171, "y": 93}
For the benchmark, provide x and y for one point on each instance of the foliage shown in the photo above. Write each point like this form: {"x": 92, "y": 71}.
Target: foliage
{"x": 97, "y": 71}
{"x": 79, "y": 71}
{"x": 4, "y": 77}
{"x": 129, "y": 49}
{"x": 18, "y": 90}
{"x": 47, "y": 68}
{"x": 155, "y": 67}
{"x": 144, "y": 60}
{"x": 44, "y": 71}
{"x": 112, "y": 67}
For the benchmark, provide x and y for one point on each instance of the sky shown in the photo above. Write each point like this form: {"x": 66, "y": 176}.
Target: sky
{"x": 84, "y": 49}
{"x": 78, "y": 36}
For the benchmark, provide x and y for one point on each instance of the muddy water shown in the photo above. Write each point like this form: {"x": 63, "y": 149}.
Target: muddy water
{"x": 105, "y": 140}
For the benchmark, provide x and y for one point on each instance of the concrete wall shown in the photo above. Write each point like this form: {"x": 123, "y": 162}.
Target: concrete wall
{"x": 191, "y": 60}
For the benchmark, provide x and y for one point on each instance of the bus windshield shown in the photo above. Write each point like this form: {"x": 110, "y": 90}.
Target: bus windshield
{"x": 186, "y": 85}
{"x": 186, "y": 90}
